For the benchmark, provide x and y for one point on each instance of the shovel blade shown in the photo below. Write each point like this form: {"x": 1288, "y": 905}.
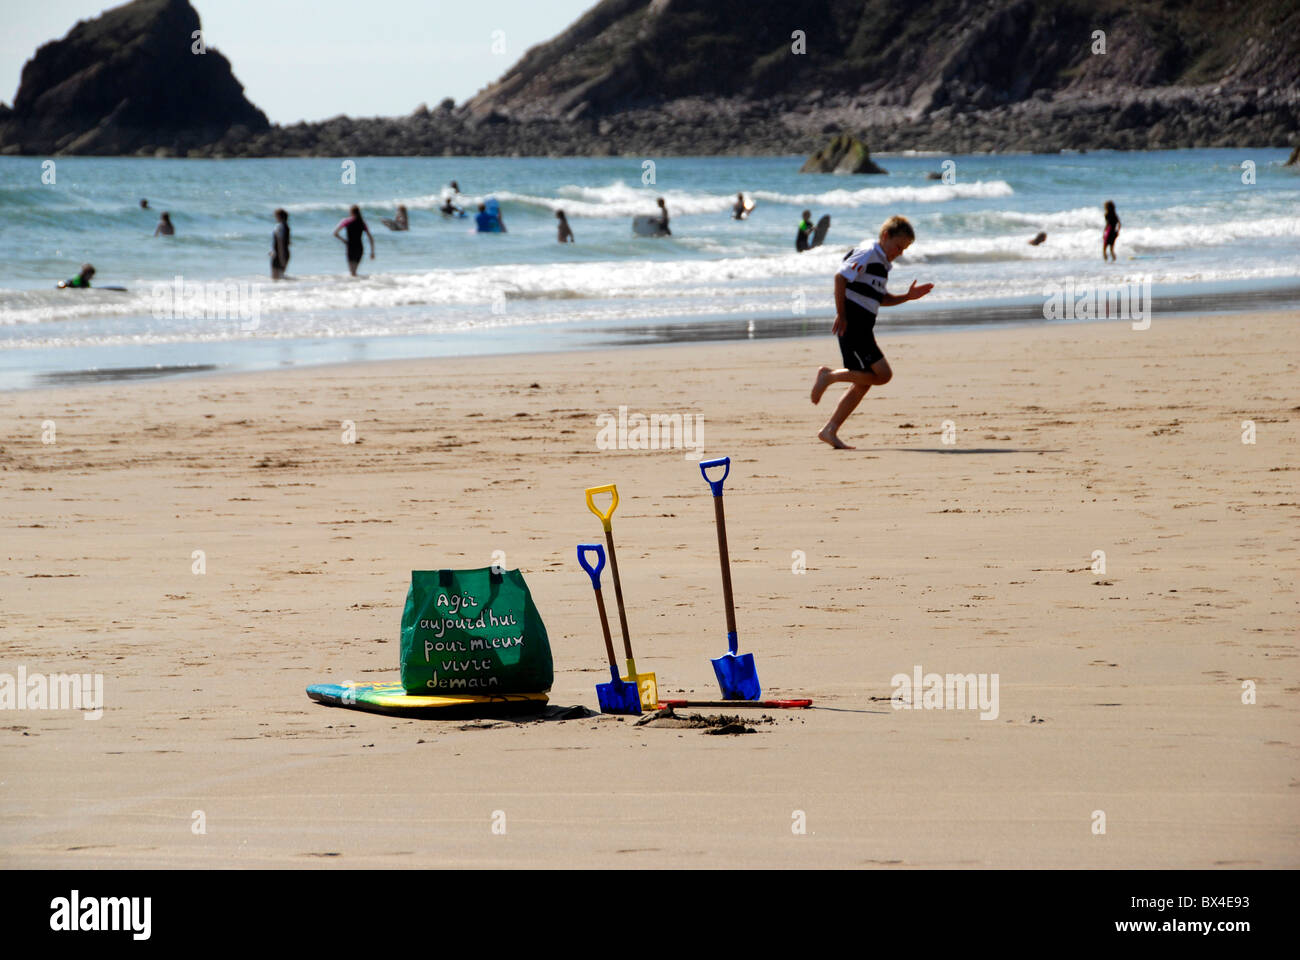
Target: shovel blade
{"x": 737, "y": 676}
{"x": 618, "y": 697}
{"x": 647, "y": 685}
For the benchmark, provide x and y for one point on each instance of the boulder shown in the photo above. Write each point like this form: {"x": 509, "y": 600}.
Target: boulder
{"x": 127, "y": 79}
{"x": 844, "y": 154}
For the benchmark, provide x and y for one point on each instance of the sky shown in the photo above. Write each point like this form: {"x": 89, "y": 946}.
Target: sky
{"x": 314, "y": 59}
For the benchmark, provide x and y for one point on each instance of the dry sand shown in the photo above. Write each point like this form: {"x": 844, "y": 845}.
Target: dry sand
{"x": 1119, "y": 692}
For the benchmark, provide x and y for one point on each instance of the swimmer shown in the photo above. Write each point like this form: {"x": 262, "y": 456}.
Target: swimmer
{"x": 80, "y": 280}
{"x": 565, "y": 235}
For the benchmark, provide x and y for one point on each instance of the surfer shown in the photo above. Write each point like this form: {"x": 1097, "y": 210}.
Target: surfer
{"x": 399, "y": 222}
{"x": 804, "y": 232}
{"x": 739, "y": 209}
{"x": 355, "y": 227}
{"x": 164, "y": 225}
{"x": 80, "y": 280}
{"x": 1111, "y": 233}
{"x": 449, "y": 208}
{"x": 144, "y": 204}
{"x": 663, "y": 221}
{"x": 1039, "y": 238}
{"x": 565, "y": 235}
{"x": 859, "y": 293}
{"x": 280, "y": 245}
{"x": 449, "y": 195}
{"x": 487, "y": 222}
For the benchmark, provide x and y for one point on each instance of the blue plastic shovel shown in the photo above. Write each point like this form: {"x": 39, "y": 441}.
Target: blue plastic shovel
{"x": 615, "y": 696}
{"x": 737, "y": 675}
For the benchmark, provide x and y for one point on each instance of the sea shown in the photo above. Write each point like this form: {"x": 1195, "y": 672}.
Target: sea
{"x": 1209, "y": 230}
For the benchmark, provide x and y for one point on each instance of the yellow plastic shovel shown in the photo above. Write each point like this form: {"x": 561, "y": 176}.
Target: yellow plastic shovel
{"x": 646, "y": 683}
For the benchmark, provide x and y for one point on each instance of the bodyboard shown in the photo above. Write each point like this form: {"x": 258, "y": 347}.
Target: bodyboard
{"x": 391, "y": 699}
{"x": 819, "y": 233}
{"x": 648, "y": 226}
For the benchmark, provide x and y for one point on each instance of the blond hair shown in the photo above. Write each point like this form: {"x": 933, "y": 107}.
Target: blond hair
{"x": 896, "y": 226}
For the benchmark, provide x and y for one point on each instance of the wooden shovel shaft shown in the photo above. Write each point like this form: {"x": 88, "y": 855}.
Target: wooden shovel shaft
{"x": 726, "y": 564}
{"x": 604, "y": 628}
{"x": 618, "y": 592}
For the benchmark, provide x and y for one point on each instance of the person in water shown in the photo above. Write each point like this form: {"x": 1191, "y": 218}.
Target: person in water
{"x": 484, "y": 222}
{"x": 449, "y": 208}
{"x": 1038, "y": 238}
{"x": 859, "y": 293}
{"x": 804, "y": 234}
{"x": 355, "y": 227}
{"x": 399, "y": 222}
{"x": 280, "y": 245}
{"x": 663, "y": 221}
{"x": 164, "y": 225}
{"x": 144, "y": 204}
{"x": 738, "y": 209}
{"x": 1111, "y": 233}
{"x": 565, "y": 234}
{"x": 80, "y": 280}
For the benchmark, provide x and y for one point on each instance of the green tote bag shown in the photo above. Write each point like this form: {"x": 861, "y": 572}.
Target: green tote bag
{"x": 473, "y": 632}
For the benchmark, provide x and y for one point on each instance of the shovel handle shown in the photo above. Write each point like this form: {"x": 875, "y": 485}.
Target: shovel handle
{"x": 593, "y": 572}
{"x": 612, "y": 490}
{"x": 716, "y": 485}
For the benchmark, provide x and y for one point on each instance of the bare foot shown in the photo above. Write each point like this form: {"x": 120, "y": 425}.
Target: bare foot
{"x": 821, "y": 383}
{"x": 828, "y": 436}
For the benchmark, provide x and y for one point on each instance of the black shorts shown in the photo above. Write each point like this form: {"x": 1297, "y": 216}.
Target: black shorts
{"x": 858, "y": 343}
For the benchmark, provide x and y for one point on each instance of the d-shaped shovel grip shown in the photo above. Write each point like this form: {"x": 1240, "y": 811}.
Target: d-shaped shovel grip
{"x": 593, "y": 572}
{"x": 716, "y": 485}
{"x": 612, "y": 490}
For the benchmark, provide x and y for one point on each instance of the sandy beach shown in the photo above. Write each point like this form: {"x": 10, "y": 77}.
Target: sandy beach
{"x": 1120, "y": 692}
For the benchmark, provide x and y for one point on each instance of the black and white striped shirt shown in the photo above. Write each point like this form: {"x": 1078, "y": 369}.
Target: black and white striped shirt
{"x": 866, "y": 269}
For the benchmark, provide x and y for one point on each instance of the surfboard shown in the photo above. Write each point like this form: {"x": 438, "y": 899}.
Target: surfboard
{"x": 819, "y": 232}
{"x": 393, "y": 700}
{"x": 648, "y": 226}
{"x": 391, "y": 224}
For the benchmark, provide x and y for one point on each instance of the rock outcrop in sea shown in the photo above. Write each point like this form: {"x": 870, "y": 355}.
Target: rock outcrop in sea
{"x": 129, "y": 82}
{"x": 844, "y": 154}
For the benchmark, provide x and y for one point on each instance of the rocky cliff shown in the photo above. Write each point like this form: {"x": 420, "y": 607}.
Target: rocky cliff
{"x": 649, "y": 77}
{"x": 625, "y": 54}
{"x": 128, "y": 82}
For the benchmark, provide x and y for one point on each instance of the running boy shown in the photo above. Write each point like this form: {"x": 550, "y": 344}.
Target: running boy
{"x": 859, "y": 292}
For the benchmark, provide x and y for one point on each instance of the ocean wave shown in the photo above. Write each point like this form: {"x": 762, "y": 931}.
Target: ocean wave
{"x": 619, "y": 199}
{"x": 645, "y": 281}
